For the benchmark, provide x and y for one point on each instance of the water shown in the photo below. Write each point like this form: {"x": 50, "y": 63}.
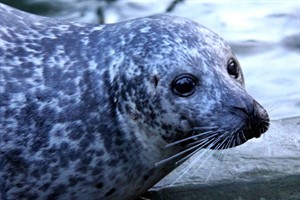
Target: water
{"x": 265, "y": 36}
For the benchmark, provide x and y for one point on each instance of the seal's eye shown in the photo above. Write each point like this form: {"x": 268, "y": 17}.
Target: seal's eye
{"x": 233, "y": 68}
{"x": 184, "y": 85}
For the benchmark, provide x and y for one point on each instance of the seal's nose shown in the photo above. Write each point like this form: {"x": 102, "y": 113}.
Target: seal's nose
{"x": 259, "y": 120}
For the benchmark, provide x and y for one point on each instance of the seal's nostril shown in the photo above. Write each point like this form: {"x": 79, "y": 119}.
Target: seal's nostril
{"x": 257, "y": 108}
{"x": 240, "y": 111}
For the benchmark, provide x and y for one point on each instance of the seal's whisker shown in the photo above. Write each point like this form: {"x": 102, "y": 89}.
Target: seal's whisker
{"x": 275, "y": 126}
{"x": 179, "y": 154}
{"x": 232, "y": 136}
{"x": 272, "y": 109}
{"x": 243, "y": 135}
{"x": 224, "y": 141}
{"x": 186, "y": 169}
{"x": 191, "y": 154}
{"x": 226, "y": 146}
{"x": 197, "y": 141}
{"x": 186, "y": 139}
{"x": 235, "y": 142}
{"x": 230, "y": 141}
{"x": 228, "y": 138}
{"x": 204, "y": 127}
{"x": 207, "y": 141}
{"x": 204, "y": 161}
{"x": 216, "y": 148}
{"x": 271, "y": 105}
{"x": 212, "y": 169}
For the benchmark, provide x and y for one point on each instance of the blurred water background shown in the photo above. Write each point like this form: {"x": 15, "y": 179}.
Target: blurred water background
{"x": 265, "y": 36}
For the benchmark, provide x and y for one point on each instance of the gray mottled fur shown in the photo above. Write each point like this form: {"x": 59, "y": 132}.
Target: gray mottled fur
{"x": 87, "y": 110}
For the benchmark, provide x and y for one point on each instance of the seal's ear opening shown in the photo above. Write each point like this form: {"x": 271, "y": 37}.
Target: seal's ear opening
{"x": 155, "y": 80}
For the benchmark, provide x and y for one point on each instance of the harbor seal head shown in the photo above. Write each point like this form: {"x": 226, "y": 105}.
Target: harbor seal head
{"x": 104, "y": 112}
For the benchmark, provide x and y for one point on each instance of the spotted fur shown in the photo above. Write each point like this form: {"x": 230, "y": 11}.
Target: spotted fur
{"x": 87, "y": 110}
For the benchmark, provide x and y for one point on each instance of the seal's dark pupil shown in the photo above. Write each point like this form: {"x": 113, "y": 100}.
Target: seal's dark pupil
{"x": 232, "y": 68}
{"x": 184, "y": 86}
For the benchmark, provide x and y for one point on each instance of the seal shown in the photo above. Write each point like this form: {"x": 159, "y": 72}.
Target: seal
{"x": 105, "y": 112}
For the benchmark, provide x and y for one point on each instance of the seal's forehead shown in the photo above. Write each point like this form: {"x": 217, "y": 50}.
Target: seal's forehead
{"x": 175, "y": 31}
{"x": 170, "y": 40}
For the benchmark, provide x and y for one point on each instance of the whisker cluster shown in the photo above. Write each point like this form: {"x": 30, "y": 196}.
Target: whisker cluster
{"x": 272, "y": 109}
{"x": 186, "y": 139}
{"x": 210, "y": 140}
{"x": 203, "y": 137}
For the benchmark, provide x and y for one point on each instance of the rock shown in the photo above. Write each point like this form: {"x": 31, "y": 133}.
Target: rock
{"x": 263, "y": 168}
